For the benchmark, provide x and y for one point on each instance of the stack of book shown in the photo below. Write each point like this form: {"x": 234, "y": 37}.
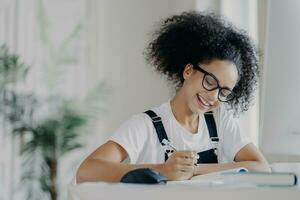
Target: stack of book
{"x": 243, "y": 177}
{"x": 273, "y": 179}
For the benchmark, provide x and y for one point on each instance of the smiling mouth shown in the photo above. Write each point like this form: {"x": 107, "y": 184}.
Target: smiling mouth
{"x": 202, "y": 101}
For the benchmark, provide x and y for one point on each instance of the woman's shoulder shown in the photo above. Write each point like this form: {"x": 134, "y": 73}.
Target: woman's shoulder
{"x": 138, "y": 119}
{"x": 223, "y": 113}
{"x": 143, "y": 119}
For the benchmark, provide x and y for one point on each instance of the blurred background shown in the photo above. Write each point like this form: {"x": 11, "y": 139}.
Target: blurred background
{"x": 72, "y": 70}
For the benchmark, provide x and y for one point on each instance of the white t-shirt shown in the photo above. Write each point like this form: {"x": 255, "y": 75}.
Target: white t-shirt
{"x": 138, "y": 136}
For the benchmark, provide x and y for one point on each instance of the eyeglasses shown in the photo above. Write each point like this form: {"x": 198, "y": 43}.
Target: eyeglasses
{"x": 210, "y": 83}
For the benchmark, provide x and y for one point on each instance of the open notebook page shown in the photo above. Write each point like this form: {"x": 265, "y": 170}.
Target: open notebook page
{"x": 209, "y": 177}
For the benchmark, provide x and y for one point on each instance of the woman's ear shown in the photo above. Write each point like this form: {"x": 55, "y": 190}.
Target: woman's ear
{"x": 187, "y": 72}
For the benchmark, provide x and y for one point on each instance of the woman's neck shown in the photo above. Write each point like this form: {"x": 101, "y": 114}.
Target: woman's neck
{"x": 183, "y": 114}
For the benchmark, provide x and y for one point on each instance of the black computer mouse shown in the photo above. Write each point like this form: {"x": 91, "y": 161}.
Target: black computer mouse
{"x": 144, "y": 176}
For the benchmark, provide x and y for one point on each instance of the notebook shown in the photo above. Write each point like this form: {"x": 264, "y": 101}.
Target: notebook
{"x": 273, "y": 179}
{"x": 209, "y": 178}
{"x": 218, "y": 175}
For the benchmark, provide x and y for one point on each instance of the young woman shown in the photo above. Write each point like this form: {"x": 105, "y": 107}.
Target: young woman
{"x": 214, "y": 68}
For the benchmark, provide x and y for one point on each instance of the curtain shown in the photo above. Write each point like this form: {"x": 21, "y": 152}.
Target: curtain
{"x": 8, "y": 30}
{"x": 50, "y": 36}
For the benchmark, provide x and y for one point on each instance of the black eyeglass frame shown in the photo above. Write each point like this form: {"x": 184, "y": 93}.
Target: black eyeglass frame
{"x": 231, "y": 95}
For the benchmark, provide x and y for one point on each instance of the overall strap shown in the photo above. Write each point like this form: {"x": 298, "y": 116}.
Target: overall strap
{"x": 210, "y": 156}
{"x": 212, "y": 129}
{"x": 159, "y": 127}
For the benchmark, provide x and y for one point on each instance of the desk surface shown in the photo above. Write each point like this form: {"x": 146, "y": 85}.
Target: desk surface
{"x": 117, "y": 191}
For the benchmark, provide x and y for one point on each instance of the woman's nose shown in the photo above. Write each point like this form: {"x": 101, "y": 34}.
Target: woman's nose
{"x": 213, "y": 96}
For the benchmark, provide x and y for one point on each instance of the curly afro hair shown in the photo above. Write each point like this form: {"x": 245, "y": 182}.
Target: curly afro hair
{"x": 197, "y": 38}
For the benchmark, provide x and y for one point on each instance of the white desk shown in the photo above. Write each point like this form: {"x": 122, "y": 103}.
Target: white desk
{"x": 207, "y": 191}
{"x": 119, "y": 191}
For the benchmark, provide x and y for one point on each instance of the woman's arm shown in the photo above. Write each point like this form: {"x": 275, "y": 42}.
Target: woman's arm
{"x": 249, "y": 157}
{"x": 104, "y": 164}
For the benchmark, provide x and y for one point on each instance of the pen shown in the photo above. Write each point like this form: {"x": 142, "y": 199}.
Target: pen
{"x": 166, "y": 142}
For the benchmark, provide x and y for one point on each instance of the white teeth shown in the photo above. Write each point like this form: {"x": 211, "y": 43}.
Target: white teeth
{"x": 204, "y": 102}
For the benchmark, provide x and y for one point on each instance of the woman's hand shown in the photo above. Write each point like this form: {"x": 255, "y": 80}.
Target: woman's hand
{"x": 179, "y": 166}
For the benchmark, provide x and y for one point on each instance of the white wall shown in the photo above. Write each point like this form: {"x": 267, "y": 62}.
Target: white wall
{"x": 280, "y": 128}
{"x": 122, "y": 32}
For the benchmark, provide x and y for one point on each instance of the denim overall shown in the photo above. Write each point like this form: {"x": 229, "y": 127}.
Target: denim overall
{"x": 208, "y": 156}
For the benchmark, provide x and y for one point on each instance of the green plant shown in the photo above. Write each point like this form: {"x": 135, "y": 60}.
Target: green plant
{"x": 47, "y": 128}
{"x": 49, "y": 140}
{"x": 50, "y": 127}
{"x": 12, "y": 72}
